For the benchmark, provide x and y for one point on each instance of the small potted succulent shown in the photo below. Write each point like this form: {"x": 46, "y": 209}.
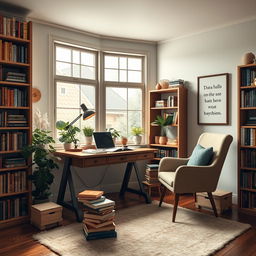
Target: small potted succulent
{"x": 88, "y": 132}
{"x": 67, "y": 135}
{"x": 163, "y": 122}
{"x": 137, "y": 132}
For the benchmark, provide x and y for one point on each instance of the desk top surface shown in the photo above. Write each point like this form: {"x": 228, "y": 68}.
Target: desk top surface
{"x": 63, "y": 153}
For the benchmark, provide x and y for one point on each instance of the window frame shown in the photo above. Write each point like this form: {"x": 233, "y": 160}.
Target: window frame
{"x": 99, "y": 83}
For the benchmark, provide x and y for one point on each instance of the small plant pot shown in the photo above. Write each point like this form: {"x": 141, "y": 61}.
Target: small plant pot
{"x": 163, "y": 140}
{"x": 124, "y": 141}
{"x": 88, "y": 140}
{"x": 157, "y": 139}
{"x": 137, "y": 139}
{"x": 67, "y": 146}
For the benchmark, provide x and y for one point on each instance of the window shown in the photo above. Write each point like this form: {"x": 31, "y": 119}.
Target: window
{"x": 76, "y": 82}
{"x": 123, "y": 80}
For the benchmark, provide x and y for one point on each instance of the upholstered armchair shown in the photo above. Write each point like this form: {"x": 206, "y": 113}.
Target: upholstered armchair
{"x": 176, "y": 176}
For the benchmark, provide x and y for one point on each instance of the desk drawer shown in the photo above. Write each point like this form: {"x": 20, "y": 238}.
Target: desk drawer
{"x": 121, "y": 159}
{"x": 89, "y": 162}
{"x": 145, "y": 156}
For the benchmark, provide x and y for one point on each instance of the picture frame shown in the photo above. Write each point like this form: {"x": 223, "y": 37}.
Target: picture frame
{"x": 213, "y": 99}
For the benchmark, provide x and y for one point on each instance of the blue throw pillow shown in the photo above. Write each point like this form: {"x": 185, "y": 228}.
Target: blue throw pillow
{"x": 201, "y": 156}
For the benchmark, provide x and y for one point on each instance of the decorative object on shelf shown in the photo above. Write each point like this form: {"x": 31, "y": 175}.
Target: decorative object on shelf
{"x": 88, "y": 132}
{"x": 41, "y": 149}
{"x": 254, "y": 82}
{"x": 114, "y": 133}
{"x": 36, "y": 95}
{"x": 67, "y": 135}
{"x": 176, "y": 83}
{"x": 248, "y": 58}
{"x": 164, "y": 83}
{"x": 163, "y": 122}
{"x": 213, "y": 100}
{"x": 124, "y": 141}
{"x": 157, "y": 139}
{"x": 158, "y": 86}
{"x": 137, "y": 132}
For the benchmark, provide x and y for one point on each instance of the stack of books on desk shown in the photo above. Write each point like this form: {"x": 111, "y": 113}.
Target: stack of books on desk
{"x": 99, "y": 214}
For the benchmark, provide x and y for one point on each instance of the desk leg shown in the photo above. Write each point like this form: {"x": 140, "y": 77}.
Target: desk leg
{"x": 67, "y": 178}
{"x": 126, "y": 180}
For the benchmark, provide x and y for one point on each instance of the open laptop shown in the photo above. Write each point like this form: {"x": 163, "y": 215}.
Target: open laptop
{"x": 104, "y": 143}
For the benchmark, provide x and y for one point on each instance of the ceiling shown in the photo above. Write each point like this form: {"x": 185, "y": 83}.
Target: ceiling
{"x": 154, "y": 20}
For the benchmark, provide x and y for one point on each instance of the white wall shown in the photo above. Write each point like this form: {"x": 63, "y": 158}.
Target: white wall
{"x": 43, "y": 80}
{"x": 212, "y": 52}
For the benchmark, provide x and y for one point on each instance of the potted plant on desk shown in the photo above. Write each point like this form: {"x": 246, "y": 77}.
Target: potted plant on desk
{"x": 114, "y": 133}
{"x": 67, "y": 135}
{"x": 137, "y": 132}
{"x": 88, "y": 132}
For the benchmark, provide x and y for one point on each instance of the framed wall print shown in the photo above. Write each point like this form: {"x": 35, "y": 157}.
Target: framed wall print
{"x": 212, "y": 99}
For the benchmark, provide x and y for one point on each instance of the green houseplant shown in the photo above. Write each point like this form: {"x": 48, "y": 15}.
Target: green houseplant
{"x": 137, "y": 132}
{"x": 88, "y": 132}
{"x": 67, "y": 135}
{"x": 163, "y": 122}
{"x": 41, "y": 149}
{"x": 114, "y": 133}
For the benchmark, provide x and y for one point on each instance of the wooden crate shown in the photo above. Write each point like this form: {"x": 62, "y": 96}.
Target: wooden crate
{"x": 222, "y": 199}
{"x": 46, "y": 214}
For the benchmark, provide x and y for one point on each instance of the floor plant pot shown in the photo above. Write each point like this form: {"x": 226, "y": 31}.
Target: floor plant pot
{"x": 163, "y": 140}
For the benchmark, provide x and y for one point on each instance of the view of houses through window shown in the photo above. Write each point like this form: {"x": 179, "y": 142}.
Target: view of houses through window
{"x": 77, "y": 81}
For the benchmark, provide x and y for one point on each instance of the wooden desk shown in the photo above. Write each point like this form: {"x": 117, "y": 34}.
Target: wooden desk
{"x": 84, "y": 160}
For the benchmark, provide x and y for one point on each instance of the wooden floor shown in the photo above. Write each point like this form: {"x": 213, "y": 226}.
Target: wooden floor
{"x": 18, "y": 241}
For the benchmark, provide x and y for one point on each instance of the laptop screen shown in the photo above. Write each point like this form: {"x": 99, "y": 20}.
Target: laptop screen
{"x": 103, "y": 140}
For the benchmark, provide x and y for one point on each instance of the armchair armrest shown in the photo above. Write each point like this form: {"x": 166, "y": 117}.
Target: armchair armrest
{"x": 170, "y": 164}
{"x": 191, "y": 179}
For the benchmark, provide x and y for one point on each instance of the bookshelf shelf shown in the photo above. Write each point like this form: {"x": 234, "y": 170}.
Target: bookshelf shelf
{"x": 14, "y": 63}
{"x": 175, "y": 100}
{"x": 13, "y": 169}
{"x": 15, "y": 109}
{"x": 246, "y": 172}
{"x": 14, "y": 84}
{"x": 13, "y": 194}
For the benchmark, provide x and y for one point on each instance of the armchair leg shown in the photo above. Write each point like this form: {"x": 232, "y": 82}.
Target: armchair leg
{"x": 212, "y": 203}
{"x": 176, "y": 201}
{"x": 162, "y": 195}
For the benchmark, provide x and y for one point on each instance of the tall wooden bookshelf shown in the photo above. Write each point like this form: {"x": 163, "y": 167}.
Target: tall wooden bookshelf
{"x": 15, "y": 119}
{"x": 177, "y": 130}
{"x": 247, "y": 138}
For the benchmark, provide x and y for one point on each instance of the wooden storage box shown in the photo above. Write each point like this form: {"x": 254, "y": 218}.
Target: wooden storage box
{"x": 46, "y": 214}
{"x": 222, "y": 199}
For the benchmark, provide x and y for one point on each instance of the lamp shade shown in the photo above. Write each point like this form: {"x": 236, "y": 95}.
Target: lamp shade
{"x": 87, "y": 113}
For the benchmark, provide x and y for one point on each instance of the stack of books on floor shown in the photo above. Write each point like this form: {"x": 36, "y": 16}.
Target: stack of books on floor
{"x": 151, "y": 175}
{"x": 99, "y": 214}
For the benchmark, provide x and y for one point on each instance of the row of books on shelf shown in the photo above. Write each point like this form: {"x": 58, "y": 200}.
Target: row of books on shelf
{"x": 248, "y": 199}
{"x": 248, "y": 179}
{"x": 247, "y": 77}
{"x": 248, "y": 98}
{"x": 171, "y": 101}
{"x": 13, "y": 97}
{"x": 99, "y": 215}
{"x": 166, "y": 153}
{"x": 248, "y": 136}
{"x": 12, "y": 162}
{"x": 12, "y": 182}
{"x": 12, "y": 120}
{"x": 12, "y": 75}
{"x": 248, "y": 158}
{"x": 13, "y": 52}
{"x": 177, "y": 82}
{"x": 174, "y": 116}
{"x": 13, "y": 26}
{"x": 12, "y": 208}
{"x": 13, "y": 140}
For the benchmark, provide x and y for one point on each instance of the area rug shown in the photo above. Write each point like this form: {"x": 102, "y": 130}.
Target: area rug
{"x": 146, "y": 230}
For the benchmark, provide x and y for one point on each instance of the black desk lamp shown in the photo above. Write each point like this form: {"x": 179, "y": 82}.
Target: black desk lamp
{"x": 86, "y": 115}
